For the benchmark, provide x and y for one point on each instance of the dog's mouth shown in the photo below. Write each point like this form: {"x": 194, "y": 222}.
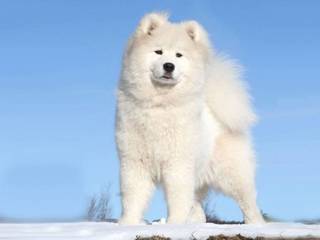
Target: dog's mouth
{"x": 167, "y": 76}
{"x": 166, "y": 79}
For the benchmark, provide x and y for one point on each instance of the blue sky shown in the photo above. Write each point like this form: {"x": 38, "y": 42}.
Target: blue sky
{"x": 59, "y": 66}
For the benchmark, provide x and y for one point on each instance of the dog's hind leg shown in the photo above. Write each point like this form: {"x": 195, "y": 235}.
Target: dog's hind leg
{"x": 234, "y": 173}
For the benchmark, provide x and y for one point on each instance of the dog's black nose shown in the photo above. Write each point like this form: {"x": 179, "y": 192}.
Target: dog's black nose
{"x": 168, "y": 67}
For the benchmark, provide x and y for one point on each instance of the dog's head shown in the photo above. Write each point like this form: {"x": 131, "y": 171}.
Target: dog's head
{"x": 167, "y": 55}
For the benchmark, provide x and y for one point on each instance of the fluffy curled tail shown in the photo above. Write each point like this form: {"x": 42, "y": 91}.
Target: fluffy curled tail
{"x": 227, "y": 95}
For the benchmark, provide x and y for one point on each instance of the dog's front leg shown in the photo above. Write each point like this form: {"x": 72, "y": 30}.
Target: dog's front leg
{"x": 136, "y": 189}
{"x": 178, "y": 180}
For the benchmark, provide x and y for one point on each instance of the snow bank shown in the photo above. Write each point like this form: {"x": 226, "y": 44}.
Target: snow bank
{"x": 106, "y": 231}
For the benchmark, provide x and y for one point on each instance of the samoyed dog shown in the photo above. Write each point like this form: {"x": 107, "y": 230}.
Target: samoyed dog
{"x": 183, "y": 121}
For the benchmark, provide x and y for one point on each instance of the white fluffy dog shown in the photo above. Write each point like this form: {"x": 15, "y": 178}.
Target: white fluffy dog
{"x": 183, "y": 120}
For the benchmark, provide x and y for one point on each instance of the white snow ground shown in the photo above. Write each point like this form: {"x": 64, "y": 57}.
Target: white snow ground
{"x": 106, "y": 231}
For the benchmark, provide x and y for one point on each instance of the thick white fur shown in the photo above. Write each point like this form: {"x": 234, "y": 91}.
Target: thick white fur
{"x": 189, "y": 136}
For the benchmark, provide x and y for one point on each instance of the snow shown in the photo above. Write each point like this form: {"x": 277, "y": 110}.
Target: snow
{"x": 106, "y": 231}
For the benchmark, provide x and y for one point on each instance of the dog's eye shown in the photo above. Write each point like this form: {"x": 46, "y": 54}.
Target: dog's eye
{"x": 158, "y": 52}
{"x": 178, "y": 55}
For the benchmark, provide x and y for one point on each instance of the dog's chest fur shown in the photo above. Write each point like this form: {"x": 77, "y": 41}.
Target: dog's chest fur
{"x": 162, "y": 135}
{"x": 161, "y": 132}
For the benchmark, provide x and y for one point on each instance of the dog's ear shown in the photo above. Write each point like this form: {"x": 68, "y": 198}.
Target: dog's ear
{"x": 150, "y": 22}
{"x": 196, "y": 32}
